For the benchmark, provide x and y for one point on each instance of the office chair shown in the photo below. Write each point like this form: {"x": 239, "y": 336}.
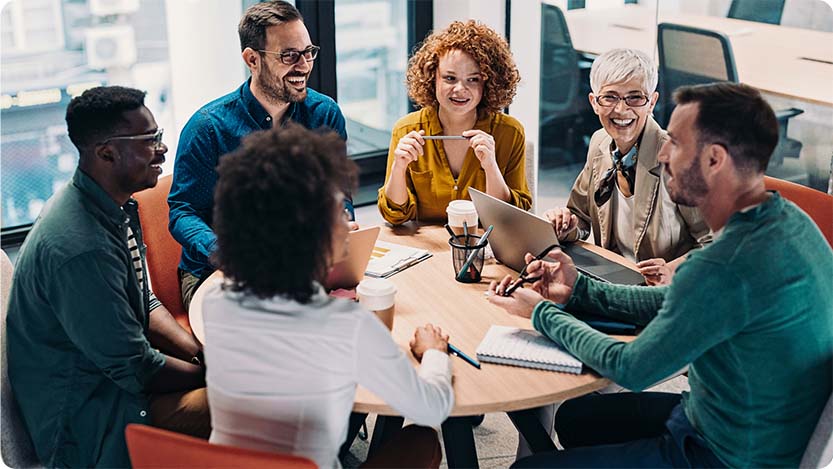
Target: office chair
{"x": 163, "y": 251}
{"x": 819, "y": 450}
{"x": 693, "y": 56}
{"x": 762, "y": 11}
{"x": 565, "y": 116}
{"x": 151, "y": 447}
{"x": 816, "y": 203}
{"x": 15, "y": 442}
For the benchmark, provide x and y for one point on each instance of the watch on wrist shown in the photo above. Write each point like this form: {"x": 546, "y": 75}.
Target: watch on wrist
{"x": 198, "y": 359}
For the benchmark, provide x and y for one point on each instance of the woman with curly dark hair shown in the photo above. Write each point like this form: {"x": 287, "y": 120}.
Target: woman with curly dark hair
{"x": 462, "y": 78}
{"x": 285, "y": 357}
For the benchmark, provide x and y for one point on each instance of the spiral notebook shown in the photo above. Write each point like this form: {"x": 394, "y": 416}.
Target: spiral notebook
{"x": 526, "y": 348}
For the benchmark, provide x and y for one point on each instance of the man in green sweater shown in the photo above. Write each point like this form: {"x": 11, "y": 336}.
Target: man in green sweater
{"x": 750, "y": 314}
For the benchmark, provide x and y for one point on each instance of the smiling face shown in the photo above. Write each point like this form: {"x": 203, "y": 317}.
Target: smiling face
{"x": 459, "y": 84}
{"x": 136, "y": 164}
{"x": 624, "y": 123}
{"x": 282, "y": 83}
{"x": 682, "y": 156}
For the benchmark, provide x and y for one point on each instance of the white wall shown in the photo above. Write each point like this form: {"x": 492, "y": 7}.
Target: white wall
{"x": 205, "y": 56}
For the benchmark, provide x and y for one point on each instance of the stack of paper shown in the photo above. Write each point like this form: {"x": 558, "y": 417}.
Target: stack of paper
{"x": 526, "y": 348}
{"x": 389, "y": 258}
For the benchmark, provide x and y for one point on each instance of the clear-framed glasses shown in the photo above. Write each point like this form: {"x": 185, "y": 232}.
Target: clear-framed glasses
{"x": 631, "y": 100}
{"x": 291, "y": 57}
{"x": 154, "y": 138}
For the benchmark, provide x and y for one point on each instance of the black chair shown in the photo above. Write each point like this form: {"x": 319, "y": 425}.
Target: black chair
{"x": 566, "y": 117}
{"x": 762, "y": 11}
{"x": 692, "y": 56}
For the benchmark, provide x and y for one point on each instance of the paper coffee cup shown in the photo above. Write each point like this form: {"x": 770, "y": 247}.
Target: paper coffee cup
{"x": 378, "y": 295}
{"x": 460, "y": 211}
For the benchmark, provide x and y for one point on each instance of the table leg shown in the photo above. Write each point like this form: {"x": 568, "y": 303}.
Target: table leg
{"x": 386, "y": 428}
{"x": 526, "y": 421}
{"x": 458, "y": 439}
{"x": 356, "y": 421}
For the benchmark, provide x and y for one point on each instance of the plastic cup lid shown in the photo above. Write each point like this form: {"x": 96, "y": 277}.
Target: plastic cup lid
{"x": 460, "y": 206}
{"x": 376, "y": 287}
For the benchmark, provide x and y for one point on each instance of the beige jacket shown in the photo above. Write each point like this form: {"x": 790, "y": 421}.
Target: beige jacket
{"x": 660, "y": 234}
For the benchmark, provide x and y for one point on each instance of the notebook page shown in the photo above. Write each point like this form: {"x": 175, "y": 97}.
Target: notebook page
{"x": 525, "y": 347}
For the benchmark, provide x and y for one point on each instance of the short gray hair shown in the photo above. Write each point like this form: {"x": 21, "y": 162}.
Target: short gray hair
{"x": 621, "y": 65}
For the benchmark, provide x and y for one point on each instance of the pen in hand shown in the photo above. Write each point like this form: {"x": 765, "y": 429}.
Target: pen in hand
{"x": 452, "y": 350}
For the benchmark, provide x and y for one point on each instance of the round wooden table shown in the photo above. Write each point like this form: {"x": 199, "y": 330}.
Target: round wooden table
{"x": 428, "y": 293}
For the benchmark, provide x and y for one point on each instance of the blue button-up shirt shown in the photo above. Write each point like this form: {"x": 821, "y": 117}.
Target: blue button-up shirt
{"x": 215, "y": 130}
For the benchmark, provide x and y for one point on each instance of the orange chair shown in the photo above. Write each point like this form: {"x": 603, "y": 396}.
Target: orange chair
{"x": 151, "y": 447}
{"x": 163, "y": 251}
{"x": 817, "y": 204}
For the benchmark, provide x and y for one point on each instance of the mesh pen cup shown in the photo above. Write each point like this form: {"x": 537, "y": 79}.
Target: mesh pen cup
{"x": 467, "y": 258}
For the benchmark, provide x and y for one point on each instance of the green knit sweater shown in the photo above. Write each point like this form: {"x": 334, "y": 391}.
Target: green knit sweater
{"x": 752, "y": 314}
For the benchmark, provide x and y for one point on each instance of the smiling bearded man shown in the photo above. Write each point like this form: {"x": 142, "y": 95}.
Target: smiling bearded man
{"x": 277, "y": 50}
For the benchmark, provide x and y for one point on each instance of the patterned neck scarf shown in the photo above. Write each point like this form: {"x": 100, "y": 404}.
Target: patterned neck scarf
{"x": 622, "y": 174}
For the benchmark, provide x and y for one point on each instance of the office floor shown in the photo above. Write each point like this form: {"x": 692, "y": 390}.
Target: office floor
{"x": 496, "y": 438}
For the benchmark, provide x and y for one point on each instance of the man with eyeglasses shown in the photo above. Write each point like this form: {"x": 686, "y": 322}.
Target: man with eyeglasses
{"x": 90, "y": 348}
{"x": 620, "y": 193}
{"x": 277, "y": 49}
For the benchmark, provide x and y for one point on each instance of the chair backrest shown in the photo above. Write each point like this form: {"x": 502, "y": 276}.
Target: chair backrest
{"x": 762, "y": 11}
{"x": 817, "y": 204}
{"x": 819, "y": 450}
{"x": 531, "y": 173}
{"x": 163, "y": 251}
{"x": 15, "y": 443}
{"x": 690, "y": 56}
{"x": 151, "y": 447}
{"x": 560, "y": 74}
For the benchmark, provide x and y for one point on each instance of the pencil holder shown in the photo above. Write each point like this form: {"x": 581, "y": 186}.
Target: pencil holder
{"x": 467, "y": 257}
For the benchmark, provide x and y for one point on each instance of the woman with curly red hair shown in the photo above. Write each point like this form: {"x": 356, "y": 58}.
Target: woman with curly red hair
{"x": 461, "y": 78}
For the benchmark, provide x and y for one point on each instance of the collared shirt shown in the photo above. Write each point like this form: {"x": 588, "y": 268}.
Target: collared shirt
{"x": 79, "y": 358}
{"x": 283, "y": 375}
{"x": 213, "y": 131}
{"x": 750, "y": 312}
{"x": 430, "y": 183}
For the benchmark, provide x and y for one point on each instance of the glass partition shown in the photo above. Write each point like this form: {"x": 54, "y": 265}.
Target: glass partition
{"x": 785, "y": 49}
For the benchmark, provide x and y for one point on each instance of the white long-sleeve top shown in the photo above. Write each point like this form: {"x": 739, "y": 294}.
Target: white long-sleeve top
{"x": 282, "y": 375}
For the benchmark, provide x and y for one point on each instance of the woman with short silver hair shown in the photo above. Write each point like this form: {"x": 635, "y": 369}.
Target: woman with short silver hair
{"x": 620, "y": 193}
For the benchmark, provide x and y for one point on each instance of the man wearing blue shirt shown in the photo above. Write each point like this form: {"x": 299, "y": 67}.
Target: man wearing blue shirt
{"x": 277, "y": 49}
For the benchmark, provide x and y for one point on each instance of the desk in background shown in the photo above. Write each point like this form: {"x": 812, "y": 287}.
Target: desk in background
{"x": 428, "y": 293}
{"x": 789, "y": 62}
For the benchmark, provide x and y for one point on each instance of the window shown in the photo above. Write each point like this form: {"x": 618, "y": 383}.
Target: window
{"x": 53, "y": 50}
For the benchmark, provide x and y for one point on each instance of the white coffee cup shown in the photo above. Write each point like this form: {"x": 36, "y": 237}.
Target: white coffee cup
{"x": 378, "y": 295}
{"x": 460, "y": 211}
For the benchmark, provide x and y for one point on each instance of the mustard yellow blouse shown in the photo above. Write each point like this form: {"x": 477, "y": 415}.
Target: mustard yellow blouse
{"x": 431, "y": 185}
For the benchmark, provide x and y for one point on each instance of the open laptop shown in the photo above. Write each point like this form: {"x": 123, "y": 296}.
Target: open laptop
{"x": 348, "y": 272}
{"x": 518, "y": 232}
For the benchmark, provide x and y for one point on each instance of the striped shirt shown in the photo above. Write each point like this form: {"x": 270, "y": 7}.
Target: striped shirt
{"x": 138, "y": 266}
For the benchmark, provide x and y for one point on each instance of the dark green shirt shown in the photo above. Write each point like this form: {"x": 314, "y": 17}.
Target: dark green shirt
{"x": 753, "y": 315}
{"x": 78, "y": 354}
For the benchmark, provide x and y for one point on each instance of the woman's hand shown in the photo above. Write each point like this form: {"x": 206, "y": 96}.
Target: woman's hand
{"x": 428, "y": 337}
{"x": 483, "y": 145}
{"x": 409, "y": 148}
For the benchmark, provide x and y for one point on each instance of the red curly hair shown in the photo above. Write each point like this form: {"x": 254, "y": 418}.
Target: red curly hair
{"x": 484, "y": 45}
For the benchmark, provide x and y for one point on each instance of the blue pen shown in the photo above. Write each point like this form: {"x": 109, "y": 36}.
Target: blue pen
{"x": 452, "y": 350}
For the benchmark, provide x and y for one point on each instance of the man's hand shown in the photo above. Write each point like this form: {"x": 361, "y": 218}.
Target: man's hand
{"x": 520, "y": 303}
{"x": 656, "y": 271}
{"x": 428, "y": 337}
{"x": 563, "y": 221}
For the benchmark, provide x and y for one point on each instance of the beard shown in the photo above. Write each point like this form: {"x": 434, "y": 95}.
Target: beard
{"x": 276, "y": 90}
{"x": 691, "y": 186}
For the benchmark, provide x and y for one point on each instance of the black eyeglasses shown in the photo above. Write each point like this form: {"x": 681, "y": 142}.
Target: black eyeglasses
{"x": 632, "y": 100}
{"x": 291, "y": 57}
{"x": 154, "y": 138}
{"x": 522, "y": 278}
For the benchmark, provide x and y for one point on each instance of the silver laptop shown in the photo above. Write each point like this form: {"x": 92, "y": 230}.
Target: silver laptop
{"x": 518, "y": 232}
{"x": 349, "y": 271}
